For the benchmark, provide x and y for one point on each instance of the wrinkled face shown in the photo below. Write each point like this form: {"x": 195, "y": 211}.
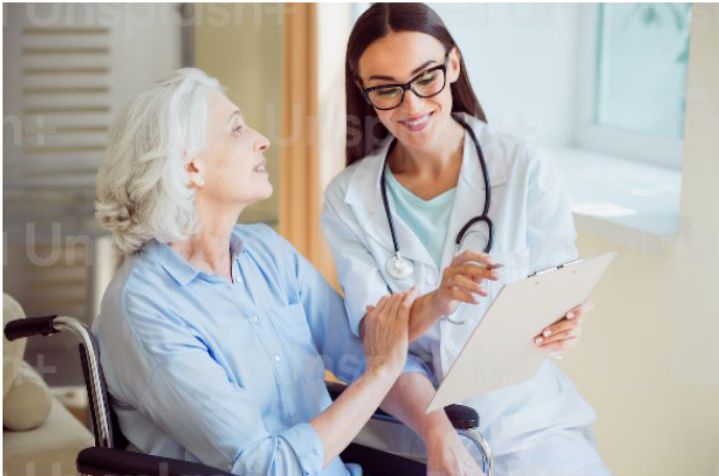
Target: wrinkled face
{"x": 399, "y": 57}
{"x": 232, "y": 168}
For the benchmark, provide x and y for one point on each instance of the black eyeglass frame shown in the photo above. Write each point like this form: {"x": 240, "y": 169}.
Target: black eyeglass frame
{"x": 408, "y": 85}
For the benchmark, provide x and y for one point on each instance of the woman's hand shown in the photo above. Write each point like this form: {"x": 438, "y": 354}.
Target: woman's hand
{"x": 384, "y": 335}
{"x": 462, "y": 281}
{"x": 385, "y": 332}
{"x": 564, "y": 334}
{"x": 447, "y": 456}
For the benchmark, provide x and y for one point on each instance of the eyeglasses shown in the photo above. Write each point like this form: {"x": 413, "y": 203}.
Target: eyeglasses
{"x": 426, "y": 84}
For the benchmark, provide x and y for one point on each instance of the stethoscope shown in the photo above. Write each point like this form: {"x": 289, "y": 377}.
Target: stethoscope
{"x": 400, "y": 268}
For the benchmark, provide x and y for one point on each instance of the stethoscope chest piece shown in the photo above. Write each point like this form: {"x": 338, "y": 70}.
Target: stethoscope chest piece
{"x": 399, "y": 268}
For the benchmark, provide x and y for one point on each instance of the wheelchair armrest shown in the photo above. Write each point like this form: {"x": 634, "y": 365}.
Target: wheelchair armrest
{"x": 461, "y": 417}
{"x": 30, "y": 326}
{"x": 115, "y": 462}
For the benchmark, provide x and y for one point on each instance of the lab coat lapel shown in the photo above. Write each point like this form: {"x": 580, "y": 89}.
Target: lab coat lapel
{"x": 469, "y": 195}
{"x": 365, "y": 197}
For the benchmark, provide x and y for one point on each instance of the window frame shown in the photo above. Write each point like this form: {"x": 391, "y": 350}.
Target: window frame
{"x": 614, "y": 141}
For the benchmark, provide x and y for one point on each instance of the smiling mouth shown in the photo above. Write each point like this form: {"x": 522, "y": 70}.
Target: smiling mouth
{"x": 417, "y": 123}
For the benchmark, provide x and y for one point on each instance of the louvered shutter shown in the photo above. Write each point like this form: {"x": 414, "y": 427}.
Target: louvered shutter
{"x": 68, "y": 69}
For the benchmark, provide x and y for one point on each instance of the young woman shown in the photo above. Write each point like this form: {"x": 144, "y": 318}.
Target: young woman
{"x": 425, "y": 172}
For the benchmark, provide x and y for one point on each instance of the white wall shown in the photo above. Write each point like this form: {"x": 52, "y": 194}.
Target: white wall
{"x": 649, "y": 360}
{"x": 522, "y": 63}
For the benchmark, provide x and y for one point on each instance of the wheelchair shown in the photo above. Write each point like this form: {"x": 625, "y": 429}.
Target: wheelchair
{"x": 109, "y": 456}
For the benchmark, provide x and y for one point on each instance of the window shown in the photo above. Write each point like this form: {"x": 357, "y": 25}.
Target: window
{"x": 633, "y": 99}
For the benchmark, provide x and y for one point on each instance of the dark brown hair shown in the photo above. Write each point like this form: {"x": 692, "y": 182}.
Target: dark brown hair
{"x": 364, "y": 130}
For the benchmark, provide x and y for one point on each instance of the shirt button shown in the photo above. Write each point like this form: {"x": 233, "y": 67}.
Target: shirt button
{"x": 277, "y": 357}
{"x": 430, "y": 280}
{"x": 255, "y": 320}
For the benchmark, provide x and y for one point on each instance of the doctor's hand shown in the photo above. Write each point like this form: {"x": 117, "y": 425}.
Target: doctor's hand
{"x": 462, "y": 281}
{"x": 385, "y": 332}
{"x": 564, "y": 334}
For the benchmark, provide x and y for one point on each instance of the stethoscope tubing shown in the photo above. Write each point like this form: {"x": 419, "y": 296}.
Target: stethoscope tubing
{"x": 484, "y": 217}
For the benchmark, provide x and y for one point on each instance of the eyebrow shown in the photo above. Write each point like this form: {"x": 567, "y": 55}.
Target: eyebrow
{"x": 235, "y": 113}
{"x": 414, "y": 71}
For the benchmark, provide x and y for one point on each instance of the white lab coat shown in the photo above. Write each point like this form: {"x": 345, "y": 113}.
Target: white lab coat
{"x": 533, "y": 230}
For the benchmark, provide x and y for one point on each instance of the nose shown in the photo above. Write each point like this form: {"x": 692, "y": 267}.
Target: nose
{"x": 262, "y": 143}
{"x": 412, "y": 102}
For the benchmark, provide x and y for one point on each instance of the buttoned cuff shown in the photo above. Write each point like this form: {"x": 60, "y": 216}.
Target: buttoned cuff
{"x": 306, "y": 443}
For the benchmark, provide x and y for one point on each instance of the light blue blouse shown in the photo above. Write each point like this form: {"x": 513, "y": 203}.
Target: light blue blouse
{"x": 428, "y": 219}
{"x": 227, "y": 374}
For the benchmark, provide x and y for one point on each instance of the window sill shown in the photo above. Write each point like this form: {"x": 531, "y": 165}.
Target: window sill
{"x": 628, "y": 202}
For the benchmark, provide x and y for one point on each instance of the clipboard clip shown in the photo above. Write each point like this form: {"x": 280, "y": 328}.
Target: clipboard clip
{"x": 554, "y": 268}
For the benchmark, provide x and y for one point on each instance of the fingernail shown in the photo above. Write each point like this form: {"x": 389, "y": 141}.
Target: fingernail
{"x": 547, "y": 333}
{"x": 570, "y": 315}
{"x": 538, "y": 340}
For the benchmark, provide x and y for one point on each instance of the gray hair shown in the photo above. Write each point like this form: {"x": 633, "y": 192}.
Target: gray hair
{"x": 142, "y": 185}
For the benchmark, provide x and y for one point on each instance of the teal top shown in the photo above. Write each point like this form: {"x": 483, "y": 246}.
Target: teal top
{"x": 428, "y": 219}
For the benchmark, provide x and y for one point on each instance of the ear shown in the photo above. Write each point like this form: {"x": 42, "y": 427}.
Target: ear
{"x": 454, "y": 65}
{"x": 194, "y": 168}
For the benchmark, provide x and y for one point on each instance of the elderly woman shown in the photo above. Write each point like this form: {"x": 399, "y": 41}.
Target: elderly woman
{"x": 214, "y": 337}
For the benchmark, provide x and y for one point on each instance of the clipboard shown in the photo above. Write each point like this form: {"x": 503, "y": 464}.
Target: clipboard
{"x": 500, "y": 351}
